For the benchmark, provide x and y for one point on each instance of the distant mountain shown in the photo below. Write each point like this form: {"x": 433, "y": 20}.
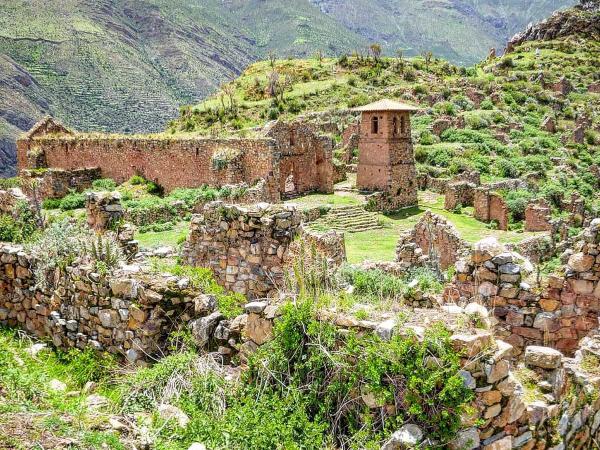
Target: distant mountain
{"x": 127, "y": 65}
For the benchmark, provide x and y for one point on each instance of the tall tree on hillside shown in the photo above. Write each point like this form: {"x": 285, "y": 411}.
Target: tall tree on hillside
{"x": 375, "y": 51}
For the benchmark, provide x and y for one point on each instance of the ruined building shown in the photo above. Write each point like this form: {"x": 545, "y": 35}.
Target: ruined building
{"x": 386, "y": 157}
{"x": 290, "y": 158}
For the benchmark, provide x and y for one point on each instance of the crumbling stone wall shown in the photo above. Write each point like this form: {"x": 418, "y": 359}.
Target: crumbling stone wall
{"x": 330, "y": 245}
{"x": 245, "y": 247}
{"x": 130, "y": 313}
{"x": 459, "y": 193}
{"x": 537, "y": 216}
{"x": 306, "y": 161}
{"x": 56, "y": 183}
{"x": 9, "y": 200}
{"x": 432, "y": 240}
{"x": 104, "y": 210}
{"x": 170, "y": 162}
{"x": 560, "y": 315}
{"x": 490, "y": 206}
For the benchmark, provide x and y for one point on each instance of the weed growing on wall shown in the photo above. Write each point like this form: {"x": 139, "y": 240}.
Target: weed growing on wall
{"x": 229, "y": 304}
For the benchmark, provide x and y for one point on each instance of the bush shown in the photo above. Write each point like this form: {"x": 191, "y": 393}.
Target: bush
{"x": 9, "y": 183}
{"x": 374, "y": 283}
{"x": 427, "y": 138}
{"x": 74, "y": 200}
{"x": 137, "y": 180}
{"x": 327, "y": 371}
{"x": 59, "y": 245}
{"x": 51, "y": 203}
{"x": 20, "y": 229}
{"x": 229, "y": 304}
{"x": 516, "y": 201}
{"x": 8, "y": 228}
{"x": 104, "y": 184}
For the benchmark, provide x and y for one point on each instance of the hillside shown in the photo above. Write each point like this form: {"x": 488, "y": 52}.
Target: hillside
{"x": 495, "y": 113}
{"x": 127, "y": 66}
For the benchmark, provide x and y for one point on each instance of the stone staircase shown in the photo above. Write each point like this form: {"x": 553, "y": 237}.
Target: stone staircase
{"x": 351, "y": 219}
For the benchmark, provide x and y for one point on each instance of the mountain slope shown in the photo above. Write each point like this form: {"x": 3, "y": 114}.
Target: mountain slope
{"x": 508, "y": 117}
{"x": 127, "y": 65}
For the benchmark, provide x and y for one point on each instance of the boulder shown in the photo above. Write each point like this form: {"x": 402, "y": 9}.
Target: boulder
{"x": 543, "y": 357}
{"x": 580, "y": 262}
{"x": 466, "y": 440}
{"x": 409, "y": 436}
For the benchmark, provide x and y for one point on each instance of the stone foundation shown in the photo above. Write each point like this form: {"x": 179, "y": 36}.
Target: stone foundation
{"x": 104, "y": 210}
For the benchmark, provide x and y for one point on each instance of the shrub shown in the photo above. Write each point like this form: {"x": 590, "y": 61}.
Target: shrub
{"x": 137, "y": 180}
{"x": 327, "y": 370}
{"x": 374, "y": 283}
{"x": 426, "y": 138}
{"x": 51, "y": 203}
{"x": 9, "y": 183}
{"x": 230, "y": 304}
{"x": 104, "y": 184}
{"x": 8, "y": 228}
{"x": 59, "y": 245}
{"x": 74, "y": 200}
{"x": 20, "y": 228}
{"x": 516, "y": 201}
{"x": 358, "y": 100}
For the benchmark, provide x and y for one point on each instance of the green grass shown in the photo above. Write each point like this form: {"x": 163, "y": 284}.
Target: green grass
{"x": 315, "y": 200}
{"x": 157, "y": 239}
{"x": 380, "y": 245}
{"x": 34, "y": 416}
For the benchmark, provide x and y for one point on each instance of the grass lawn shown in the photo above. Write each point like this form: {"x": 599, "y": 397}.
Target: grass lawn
{"x": 337, "y": 199}
{"x": 158, "y": 239}
{"x": 380, "y": 245}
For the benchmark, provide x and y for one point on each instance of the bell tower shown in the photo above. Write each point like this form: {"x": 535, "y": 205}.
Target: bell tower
{"x": 386, "y": 161}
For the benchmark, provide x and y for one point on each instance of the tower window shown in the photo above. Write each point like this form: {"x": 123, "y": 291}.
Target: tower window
{"x": 395, "y": 125}
{"x": 292, "y": 138}
{"x": 403, "y": 124}
{"x": 375, "y": 125}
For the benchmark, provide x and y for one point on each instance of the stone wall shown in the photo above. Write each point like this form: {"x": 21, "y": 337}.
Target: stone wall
{"x": 245, "y": 247}
{"x": 330, "y": 245}
{"x": 130, "y": 313}
{"x": 104, "y": 210}
{"x": 559, "y": 315}
{"x": 306, "y": 158}
{"x": 537, "y": 216}
{"x": 170, "y": 162}
{"x": 9, "y": 200}
{"x": 56, "y": 183}
{"x": 490, "y": 206}
{"x": 459, "y": 193}
{"x": 433, "y": 240}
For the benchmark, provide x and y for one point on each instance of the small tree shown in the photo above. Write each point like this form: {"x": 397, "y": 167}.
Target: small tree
{"x": 375, "y": 51}
{"x": 428, "y": 57}
{"x": 272, "y": 58}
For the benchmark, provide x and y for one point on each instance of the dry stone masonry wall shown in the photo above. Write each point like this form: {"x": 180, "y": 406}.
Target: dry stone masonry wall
{"x": 433, "y": 240}
{"x": 559, "y": 315}
{"x": 245, "y": 247}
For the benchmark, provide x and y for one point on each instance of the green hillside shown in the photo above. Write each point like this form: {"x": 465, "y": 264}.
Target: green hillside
{"x": 502, "y": 135}
{"x": 127, "y": 66}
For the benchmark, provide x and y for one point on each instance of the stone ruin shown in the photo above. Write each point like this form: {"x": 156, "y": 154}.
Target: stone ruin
{"x": 432, "y": 242}
{"x": 248, "y": 248}
{"x": 559, "y": 315}
{"x": 537, "y": 216}
{"x": 57, "y": 183}
{"x": 245, "y": 247}
{"x": 490, "y": 207}
{"x": 104, "y": 210}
